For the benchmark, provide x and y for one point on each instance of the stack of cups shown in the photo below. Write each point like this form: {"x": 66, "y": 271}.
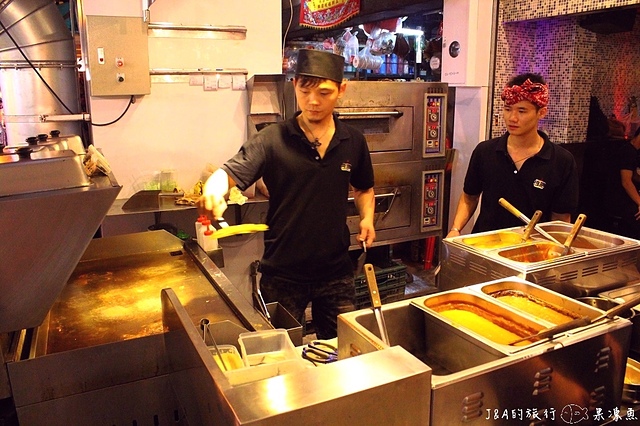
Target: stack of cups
{"x": 365, "y": 60}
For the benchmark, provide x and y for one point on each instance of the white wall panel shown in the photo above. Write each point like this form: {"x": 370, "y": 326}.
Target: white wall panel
{"x": 178, "y": 126}
{"x": 467, "y": 23}
{"x": 183, "y": 127}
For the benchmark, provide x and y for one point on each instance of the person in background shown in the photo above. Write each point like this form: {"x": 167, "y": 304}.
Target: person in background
{"x": 522, "y": 166}
{"x": 597, "y": 162}
{"x": 309, "y": 163}
{"x": 624, "y": 207}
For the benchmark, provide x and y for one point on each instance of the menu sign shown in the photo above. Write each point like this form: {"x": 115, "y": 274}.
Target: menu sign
{"x": 327, "y": 13}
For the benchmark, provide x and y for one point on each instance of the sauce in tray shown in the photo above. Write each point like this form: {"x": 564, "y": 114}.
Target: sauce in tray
{"x": 535, "y": 306}
{"x": 494, "y": 327}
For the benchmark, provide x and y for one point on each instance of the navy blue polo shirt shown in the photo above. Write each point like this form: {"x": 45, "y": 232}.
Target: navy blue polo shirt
{"x": 548, "y": 182}
{"x": 308, "y": 238}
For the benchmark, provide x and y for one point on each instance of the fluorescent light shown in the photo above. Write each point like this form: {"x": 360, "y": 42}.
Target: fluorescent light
{"x": 410, "y": 31}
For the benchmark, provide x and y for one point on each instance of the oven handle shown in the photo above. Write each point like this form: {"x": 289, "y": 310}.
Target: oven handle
{"x": 396, "y": 192}
{"x": 394, "y": 113}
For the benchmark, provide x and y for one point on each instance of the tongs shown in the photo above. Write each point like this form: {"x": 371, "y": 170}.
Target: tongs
{"x": 258, "y": 300}
{"x": 514, "y": 211}
{"x": 204, "y": 325}
{"x": 579, "y": 322}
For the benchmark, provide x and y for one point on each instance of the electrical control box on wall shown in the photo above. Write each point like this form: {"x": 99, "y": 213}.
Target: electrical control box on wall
{"x": 118, "y": 56}
{"x": 466, "y": 42}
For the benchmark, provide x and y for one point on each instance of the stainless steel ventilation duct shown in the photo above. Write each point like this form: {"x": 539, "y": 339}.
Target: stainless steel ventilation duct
{"x": 38, "y": 29}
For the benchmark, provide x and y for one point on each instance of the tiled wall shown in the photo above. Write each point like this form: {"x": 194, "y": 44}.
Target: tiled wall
{"x": 617, "y": 70}
{"x": 522, "y": 10}
{"x": 538, "y": 36}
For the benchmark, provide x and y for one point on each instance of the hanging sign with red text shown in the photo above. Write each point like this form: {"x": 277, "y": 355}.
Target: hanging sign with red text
{"x": 327, "y": 13}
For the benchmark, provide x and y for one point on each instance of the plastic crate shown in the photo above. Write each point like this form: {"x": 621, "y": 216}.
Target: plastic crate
{"x": 391, "y": 279}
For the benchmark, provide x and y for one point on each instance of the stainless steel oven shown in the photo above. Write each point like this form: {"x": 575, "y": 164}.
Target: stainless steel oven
{"x": 405, "y": 124}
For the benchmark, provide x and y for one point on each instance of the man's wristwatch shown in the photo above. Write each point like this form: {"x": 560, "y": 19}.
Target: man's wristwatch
{"x": 455, "y": 229}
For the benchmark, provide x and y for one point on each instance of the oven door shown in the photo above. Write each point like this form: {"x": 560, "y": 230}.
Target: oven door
{"x": 402, "y": 210}
{"x": 392, "y": 210}
{"x": 386, "y": 129}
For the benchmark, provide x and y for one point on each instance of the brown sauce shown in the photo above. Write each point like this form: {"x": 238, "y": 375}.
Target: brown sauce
{"x": 535, "y": 306}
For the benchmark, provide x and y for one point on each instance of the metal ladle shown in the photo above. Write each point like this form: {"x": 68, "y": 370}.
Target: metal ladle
{"x": 204, "y": 325}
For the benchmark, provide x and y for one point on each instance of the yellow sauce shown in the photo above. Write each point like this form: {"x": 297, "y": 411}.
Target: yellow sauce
{"x": 493, "y": 327}
{"x": 493, "y": 241}
{"x": 232, "y": 360}
{"x": 538, "y": 310}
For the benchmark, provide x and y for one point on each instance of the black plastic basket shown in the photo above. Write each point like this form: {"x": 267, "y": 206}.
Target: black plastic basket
{"x": 391, "y": 279}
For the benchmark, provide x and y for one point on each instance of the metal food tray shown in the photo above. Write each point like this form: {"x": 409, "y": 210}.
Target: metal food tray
{"x": 484, "y": 303}
{"x": 470, "y": 375}
{"x": 624, "y": 294}
{"x": 581, "y": 273}
{"x": 588, "y": 240}
{"x": 550, "y": 299}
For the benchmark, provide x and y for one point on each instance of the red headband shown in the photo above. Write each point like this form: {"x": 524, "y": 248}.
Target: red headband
{"x": 536, "y": 93}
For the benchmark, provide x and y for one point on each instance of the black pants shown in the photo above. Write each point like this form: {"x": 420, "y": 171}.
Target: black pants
{"x": 328, "y": 299}
{"x": 627, "y": 225}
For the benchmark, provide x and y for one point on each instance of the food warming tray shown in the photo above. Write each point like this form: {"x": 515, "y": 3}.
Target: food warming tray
{"x": 599, "y": 260}
{"x": 472, "y": 375}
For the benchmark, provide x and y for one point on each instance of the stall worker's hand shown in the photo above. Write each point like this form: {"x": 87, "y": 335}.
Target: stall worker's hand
{"x": 454, "y": 232}
{"x": 367, "y": 234}
{"x": 212, "y": 202}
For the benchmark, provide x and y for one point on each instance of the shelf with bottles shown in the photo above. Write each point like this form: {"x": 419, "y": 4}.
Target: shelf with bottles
{"x": 372, "y": 53}
{"x": 393, "y": 68}
{"x": 388, "y": 67}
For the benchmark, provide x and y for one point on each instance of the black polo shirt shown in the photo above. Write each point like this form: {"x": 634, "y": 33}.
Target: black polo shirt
{"x": 547, "y": 181}
{"x": 620, "y": 204}
{"x": 308, "y": 238}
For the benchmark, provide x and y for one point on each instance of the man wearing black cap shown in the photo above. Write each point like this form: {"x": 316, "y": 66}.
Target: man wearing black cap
{"x": 308, "y": 163}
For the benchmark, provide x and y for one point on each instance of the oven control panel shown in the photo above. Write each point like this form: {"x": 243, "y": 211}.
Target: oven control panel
{"x": 432, "y": 196}
{"x": 435, "y": 109}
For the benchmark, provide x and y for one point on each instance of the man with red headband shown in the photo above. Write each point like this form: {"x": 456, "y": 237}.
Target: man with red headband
{"x": 522, "y": 166}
